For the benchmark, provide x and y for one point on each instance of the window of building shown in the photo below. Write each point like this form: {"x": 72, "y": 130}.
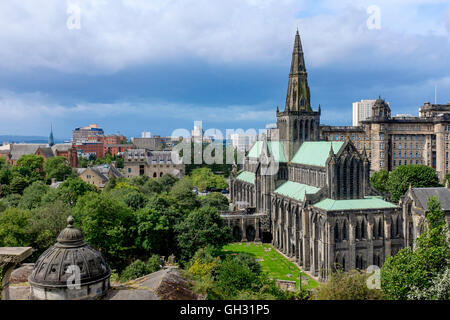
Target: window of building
{"x": 382, "y": 146}
{"x": 381, "y": 136}
{"x": 382, "y": 164}
{"x": 337, "y": 137}
{"x": 395, "y": 163}
{"x": 331, "y": 137}
{"x": 381, "y": 155}
{"x": 342, "y": 137}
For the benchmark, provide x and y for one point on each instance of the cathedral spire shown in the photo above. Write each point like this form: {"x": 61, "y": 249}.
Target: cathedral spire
{"x": 51, "y": 141}
{"x": 298, "y": 97}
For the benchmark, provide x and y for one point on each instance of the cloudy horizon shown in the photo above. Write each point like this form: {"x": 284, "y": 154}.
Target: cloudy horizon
{"x": 159, "y": 65}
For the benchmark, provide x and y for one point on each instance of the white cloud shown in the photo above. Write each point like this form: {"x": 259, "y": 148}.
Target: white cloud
{"x": 31, "y": 113}
{"x": 118, "y": 34}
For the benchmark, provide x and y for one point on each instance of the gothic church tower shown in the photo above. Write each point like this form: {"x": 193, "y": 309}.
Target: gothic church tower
{"x": 298, "y": 122}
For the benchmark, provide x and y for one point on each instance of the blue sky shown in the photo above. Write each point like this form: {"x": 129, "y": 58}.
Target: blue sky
{"x": 159, "y": 65}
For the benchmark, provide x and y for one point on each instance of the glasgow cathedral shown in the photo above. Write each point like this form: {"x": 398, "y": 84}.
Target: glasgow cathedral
{"x": 310, "y": 198}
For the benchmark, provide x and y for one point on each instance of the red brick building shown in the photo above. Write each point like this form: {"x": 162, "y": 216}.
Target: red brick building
{"x": 97, "y": 148}
{"x": 115, "y": 149}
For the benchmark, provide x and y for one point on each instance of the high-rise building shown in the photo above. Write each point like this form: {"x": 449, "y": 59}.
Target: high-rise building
{"x": 146, "y": 134}
{"x": 82, "y": 135}
{"x": 361, "y": 111}
{"x": 197, "y": 133}
{"x": 243, "y": 141}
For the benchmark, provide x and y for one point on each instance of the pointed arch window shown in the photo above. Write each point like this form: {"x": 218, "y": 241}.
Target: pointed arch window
{"x": 358, "y": 230}
{"x": 380, "y": 228}
{"x": 336, "y": 232}
{"x": 344, "y": 231}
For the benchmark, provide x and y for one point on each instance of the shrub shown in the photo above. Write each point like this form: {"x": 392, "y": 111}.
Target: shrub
{"x": 346, "y": 286}
{"x": 140, "y": 268}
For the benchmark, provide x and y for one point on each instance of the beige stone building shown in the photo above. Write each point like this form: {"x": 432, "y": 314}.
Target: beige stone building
{"x": 391, "y": 141}
{"x": 98, "y": 175}
{"x": 153, "y": 164}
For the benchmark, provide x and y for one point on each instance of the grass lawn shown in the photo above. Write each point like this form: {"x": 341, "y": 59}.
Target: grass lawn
{"x": 277, "y": 266}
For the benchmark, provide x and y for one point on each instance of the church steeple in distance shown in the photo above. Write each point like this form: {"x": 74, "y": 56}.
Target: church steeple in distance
{"x": 51, "y": 141}
{"x": 298, "y": 96}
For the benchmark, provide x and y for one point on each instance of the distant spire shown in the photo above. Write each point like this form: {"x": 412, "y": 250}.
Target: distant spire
{"x": 51, "y": 140}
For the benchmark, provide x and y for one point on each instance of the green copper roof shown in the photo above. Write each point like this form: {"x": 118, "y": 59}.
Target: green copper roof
{"x": 295, "y": 190}
{"x": 356, "y": 204}
{"x": 275, "y": 148}
{"x": 316, "y": 153}
{"x": 247, "y": 176}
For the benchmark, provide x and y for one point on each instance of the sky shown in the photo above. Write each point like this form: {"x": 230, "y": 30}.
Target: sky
{"x": 160, "y": 65}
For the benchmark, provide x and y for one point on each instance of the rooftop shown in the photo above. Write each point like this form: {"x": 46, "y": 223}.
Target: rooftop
{"x": 354, "y": 204}
{"x": 296, "y": 190}
{"x": 316, "y": 153}
{"x": 247, "y": 176}
{"x": 276, "y": 149}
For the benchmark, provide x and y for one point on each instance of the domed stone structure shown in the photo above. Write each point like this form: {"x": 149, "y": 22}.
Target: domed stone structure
{"x": 70, "y": 270}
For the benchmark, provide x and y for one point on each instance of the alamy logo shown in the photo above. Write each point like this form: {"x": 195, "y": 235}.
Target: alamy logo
{"x": 74, "y": 19}
{"x": 74, "y": 280}
{"x": 374, "y": 20}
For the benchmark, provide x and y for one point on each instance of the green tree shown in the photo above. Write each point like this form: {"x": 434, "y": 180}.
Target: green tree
{"x": 46, "y": 223}
{"x": 32, "y": 195}
{"x": 346, "y": 286}
{"x": 14, "y": 228}
{"x": 419, "y": 176}
{"x": 411, "y": 271}
{"x": 152, "y": 228}
{"x": 235, "y": 275}
{"x": 215, "y": 200}
{"x": 140, "y": 268}
{"x": 13, "y": 200}
{"x": 152, "y": 186}
{"x": 129, "y": 195}
{"x": 3, "y": 205}
{"x": 30, "y": 167}
{"x": 82, "y": 162}
{"x": 107, "y": 225}
{"x": 379, "y": 180}
{"x": 69, "y": 191}
{"x": 168, "y": 181}
{"x": 57, "y": 168}
{"x": 204, "y": 178}
{"x": 18, "y": 184}
{"x": 201, "y": 228}
{"x": 182, "y": 192}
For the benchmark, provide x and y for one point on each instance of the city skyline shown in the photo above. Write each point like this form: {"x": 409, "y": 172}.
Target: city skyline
{"x": 229, "y": 72}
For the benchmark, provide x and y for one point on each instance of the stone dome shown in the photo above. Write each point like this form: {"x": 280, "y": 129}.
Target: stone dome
{"x": 55, "y": 271}
{"x": 379, "y": 101}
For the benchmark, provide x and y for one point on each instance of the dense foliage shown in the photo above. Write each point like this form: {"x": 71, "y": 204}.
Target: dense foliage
{"x": 421, "y": 273}
{"x": 346, "y": 286}
{"x": 418, "y": 176}
{"x": 140, "y": 268}
{"x": 379, "y": 180}
{"x": 131, "y": 221}
{"x": 232, "y": 277}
